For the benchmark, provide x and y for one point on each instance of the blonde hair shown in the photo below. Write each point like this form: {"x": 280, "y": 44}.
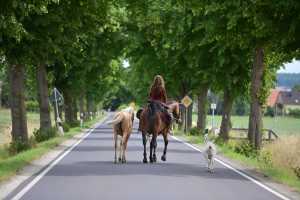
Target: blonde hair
{"x": 158, "y": 81}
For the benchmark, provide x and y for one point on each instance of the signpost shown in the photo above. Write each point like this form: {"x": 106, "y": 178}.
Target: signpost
{"x": 186, "y": 101}
{"x": 57, "y": 99}
{"x": 213, "y": 106}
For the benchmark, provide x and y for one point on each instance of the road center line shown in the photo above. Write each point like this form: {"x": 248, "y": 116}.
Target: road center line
{"x": 238, "y": 172}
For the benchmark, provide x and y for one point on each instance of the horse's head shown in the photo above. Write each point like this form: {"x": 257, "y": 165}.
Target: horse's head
{"x": 175, "y": 110}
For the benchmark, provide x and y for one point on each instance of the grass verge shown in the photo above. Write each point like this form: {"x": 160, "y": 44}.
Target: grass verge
{"x": 276, "y": 173}
{"x": 10, "y": 165}
{"x": 283, "y": 126}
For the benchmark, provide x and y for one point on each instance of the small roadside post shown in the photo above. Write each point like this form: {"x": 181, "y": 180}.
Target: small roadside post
{"x": 186, "y": 101}
{"x": 59, "y": 127}
{"x": 57, "y": 99}
{"x": 213, "y": 106}
{"x": 81, "y": 120}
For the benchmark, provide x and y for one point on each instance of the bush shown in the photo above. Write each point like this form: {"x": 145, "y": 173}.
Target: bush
{"x": 32, "y": 106}
{"x": 297, "y": 171}
{"x": 122, "y": 106}
{"x": 66, "y": 127}
{"x": 270, "y": 112}
{"x": 294, "y": 113}
{"x": 194, "y": 131}
{"x": 41, "y": 136}
{"x": 74, "y": 124}
{"x": 245, "y": 148}
{"x": 265, "y": 157}
{"x": 18, "y": 146}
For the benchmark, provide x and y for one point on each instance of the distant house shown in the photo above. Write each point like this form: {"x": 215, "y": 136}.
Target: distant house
{"x": 283, "y": 100}
{"x": 273, "y": 98}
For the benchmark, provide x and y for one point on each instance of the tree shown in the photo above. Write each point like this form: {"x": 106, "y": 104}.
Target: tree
{"x": 61, "y": 28}
{"x": 14, "y": 40}
{"x": 258, "y": 25}
{"x": 170, "y": 46}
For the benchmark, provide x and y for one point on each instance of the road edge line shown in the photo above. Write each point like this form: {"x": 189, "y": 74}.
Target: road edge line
{"x": 241, "y": 173}
{"x": 42, "y": 173}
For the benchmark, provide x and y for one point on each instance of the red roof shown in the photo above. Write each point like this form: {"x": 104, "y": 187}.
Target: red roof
{"x": 272, "y": 99}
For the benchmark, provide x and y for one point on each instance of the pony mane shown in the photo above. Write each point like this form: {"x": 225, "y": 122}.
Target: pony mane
{"x": 128, "y": 109}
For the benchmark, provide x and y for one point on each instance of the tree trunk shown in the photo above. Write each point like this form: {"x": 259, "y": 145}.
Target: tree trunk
{"x": 226, "y": 115}
{"x": 69, "y": 116}
{"x": 190, "y": 117}
{"x": 17, "y": 103}
{"x": 43, "y": 92}
{"x": 0, "y": 93}
{"x": 255, "y": 118}
{"x": 81, "y": 106}
{"x": 202, "y": 104}
{"x": 74, "y": 109}
{"x": 89, "y": 105}
{"x": 182, "y": 117}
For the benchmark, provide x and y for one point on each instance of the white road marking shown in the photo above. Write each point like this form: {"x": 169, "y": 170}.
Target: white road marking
{"x": 20, "y": 194}
{"x": 238, "y": 172}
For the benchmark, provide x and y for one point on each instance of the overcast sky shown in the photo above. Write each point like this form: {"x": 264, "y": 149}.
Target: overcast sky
{"x": 293, "y": 67}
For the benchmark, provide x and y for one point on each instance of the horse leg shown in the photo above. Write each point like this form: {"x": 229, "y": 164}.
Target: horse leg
{"x": 120, "y": 150}
{"x": 164, "y": 156}
{"x": 145, "y": 150}
{"x": 151, "y": 149}
{"x": 116, "y": 146}
{"x": 125, "y": 140}
{"x": 154, "y": 148}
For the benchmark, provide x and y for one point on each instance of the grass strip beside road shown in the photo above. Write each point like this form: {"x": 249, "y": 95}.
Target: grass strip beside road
{"x": 277, "y": 174}
{"x": 10, "y": 165}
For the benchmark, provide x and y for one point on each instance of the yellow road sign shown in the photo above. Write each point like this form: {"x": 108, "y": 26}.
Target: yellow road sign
{"x": 186, "y": 101}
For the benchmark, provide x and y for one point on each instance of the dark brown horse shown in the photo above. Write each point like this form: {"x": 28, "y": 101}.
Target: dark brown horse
{"x": 153, "y": 122}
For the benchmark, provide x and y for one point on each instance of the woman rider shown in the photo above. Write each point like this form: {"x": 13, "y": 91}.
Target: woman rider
{"x": 158, "y": 93}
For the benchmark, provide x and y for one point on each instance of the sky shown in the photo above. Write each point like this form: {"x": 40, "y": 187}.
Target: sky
{"x": 293, "y": 67}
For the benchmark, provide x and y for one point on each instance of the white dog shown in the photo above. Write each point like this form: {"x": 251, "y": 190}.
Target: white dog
{"x": 209, "y": 152}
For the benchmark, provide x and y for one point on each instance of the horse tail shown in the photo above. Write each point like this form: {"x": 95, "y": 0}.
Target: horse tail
{"x": 117, "y": 119}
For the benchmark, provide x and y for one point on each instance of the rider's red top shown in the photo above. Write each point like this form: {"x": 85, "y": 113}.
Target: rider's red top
{"x": 158, "y": 94}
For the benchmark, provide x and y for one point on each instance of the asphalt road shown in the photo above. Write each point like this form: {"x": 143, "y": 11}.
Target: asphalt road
{"x": 87, "y": 172}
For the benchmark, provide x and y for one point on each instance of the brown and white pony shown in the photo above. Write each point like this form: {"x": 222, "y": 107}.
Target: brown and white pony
{"x": 153, "y": 123}
{"x": 122, "y": 125}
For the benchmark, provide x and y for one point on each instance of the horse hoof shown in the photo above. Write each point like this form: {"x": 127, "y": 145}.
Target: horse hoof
{"x": 154, "y": 159}
{"x": 123, "y": 161}
{"x": 145, "y": 160}
{"x": 120, "y": 159}
{"x": 163, "y": 158}
{"x": 151, "y": 159}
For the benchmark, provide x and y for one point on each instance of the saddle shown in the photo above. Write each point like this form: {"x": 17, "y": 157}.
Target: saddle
{"x": 163, "y": 108}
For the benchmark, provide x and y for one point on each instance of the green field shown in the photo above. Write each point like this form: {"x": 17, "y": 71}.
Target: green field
{"x": 280, "y": 125}
{"x": 33, "y": 122}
